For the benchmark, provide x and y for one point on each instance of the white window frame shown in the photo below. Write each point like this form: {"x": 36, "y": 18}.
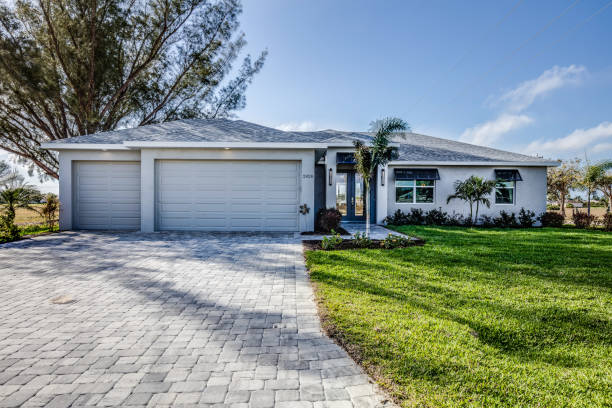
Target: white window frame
{"x": 414, "y": 187}
{"x": 513, "y": 188}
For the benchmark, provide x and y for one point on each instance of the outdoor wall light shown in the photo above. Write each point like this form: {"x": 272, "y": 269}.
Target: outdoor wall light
{"x": 331, "y": 176}
{"x": 382, "y": 177}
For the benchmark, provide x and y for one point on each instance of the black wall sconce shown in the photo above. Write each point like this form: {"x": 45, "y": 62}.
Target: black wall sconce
{"x": 331, "y": 176}
{"x": 382, "y": 177}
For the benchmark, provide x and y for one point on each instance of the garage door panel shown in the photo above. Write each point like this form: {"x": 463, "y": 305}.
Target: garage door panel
{"x": 107, "y": 195}
{"x": 227, "y": 195}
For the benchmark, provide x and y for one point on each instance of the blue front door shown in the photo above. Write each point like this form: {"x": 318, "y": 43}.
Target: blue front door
{"x": 350, "y": 196}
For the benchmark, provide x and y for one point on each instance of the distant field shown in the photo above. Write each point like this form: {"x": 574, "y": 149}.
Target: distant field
{"x": 24, "y": 216}
{"x": 596, "y": 211}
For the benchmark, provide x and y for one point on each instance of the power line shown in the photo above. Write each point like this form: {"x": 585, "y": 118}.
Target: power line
{"x": 513, "y": 52}
{"x": 470, "y": 50}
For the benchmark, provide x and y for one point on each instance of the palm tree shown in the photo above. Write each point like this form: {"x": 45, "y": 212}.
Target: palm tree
{"x": 13, "y": 197}
{"x": 473, "y": 190}
{"x": 369, "y": 158}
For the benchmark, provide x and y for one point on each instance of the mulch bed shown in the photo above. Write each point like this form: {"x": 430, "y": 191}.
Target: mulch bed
{"x": 339, "y": 230}
{"x": 315, "y": 244}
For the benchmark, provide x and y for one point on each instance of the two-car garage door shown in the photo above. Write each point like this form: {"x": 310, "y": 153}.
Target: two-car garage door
{"x": 215, "y": 195}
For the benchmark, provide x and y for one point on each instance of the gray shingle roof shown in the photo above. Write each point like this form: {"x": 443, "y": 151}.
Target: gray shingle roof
{"x": 413, "y": 146}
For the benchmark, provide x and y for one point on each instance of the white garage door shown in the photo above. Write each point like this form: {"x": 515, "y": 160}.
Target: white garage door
{"x": 107, "y": 195}
{"x": 227, "y": 195}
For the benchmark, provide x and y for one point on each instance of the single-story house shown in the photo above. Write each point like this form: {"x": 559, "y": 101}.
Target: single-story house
{"x": 232, "y": 175}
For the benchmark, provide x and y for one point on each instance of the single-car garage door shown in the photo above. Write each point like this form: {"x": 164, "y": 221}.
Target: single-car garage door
{"x": 211, "y": 195}
{"x": 107, "y": 195}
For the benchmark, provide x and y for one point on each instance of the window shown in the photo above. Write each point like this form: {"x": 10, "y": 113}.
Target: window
{"x": 504, "y": 192}
{"x": 506, "y": 185}
{"x": 414, "y": 191}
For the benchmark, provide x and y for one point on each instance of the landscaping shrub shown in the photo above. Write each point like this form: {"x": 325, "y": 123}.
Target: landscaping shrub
{"x": 582, "y": 219}
{"x": 505, "y": 220}
{"x": 551, "y": 219}
{"x": 415, "y": 217}
{"x": 332, "y": 242}
{"x": 396, "y": 241}
{"x": 436, "y": 217}
{"x": 487, "y": 221}
{"x": 398, "y": 218}
{"x": 526, "y": 218}
{"x": 458, "y": 220}
{"x": 553, "y": 207}
{"x": 328, "y": 219}
{"x": 606, "y": 221}
{"x": 361, "y": 240}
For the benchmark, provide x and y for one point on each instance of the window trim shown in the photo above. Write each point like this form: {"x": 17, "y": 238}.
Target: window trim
{"x": 414, "y": 187}
{"x": 513, "y": 188}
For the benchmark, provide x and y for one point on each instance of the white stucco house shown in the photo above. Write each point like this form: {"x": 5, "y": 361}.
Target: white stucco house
{"x": 231, "y": 175}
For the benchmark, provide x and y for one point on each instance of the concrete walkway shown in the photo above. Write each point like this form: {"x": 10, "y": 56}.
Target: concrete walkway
{"x": 376, "y": 231}
{"x": 167, "y": 319}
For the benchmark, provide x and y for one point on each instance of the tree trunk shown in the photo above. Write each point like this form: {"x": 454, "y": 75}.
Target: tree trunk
{"x": 563, "y": 205}
{"x": 589, "y": 202}
{"x": 476, "y": 215}
{"x": 471, "y": 212}
{"x": 367, "y": 206}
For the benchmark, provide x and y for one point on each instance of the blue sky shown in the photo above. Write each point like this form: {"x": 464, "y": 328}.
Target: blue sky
{"x": 527, "y": 76}
{"x": 520, "y": 75}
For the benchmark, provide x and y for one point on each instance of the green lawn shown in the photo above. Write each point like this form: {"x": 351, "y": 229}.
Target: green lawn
{"x": 478, "y": 317}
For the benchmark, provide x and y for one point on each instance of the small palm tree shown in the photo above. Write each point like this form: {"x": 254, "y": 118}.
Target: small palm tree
{"x": 473, "y": 190}
{"x": 13, "y": 197}
{"x": 379, "y": 153}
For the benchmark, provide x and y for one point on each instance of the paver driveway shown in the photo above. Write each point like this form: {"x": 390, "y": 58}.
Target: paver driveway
{"x": 167, "y": 319}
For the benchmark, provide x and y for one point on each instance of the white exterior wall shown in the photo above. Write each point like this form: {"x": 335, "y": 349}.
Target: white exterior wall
{"x": 147, "y": 159}
{"x": 529, "y": 193}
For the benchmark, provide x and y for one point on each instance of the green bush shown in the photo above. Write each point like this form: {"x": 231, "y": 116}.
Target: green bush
{"x": 396, "y": 241}
{"x": 436, "y": 217}
{"x": 328, "y": 219}
{"x": 553, "y": 207}
{"x": 606, "y": 221}
{"x": 551, "y": 219}
{"x": 331, "y": 242}
{"x": 582, "y": 219}
{"x": 361, "y": 240}
{"x": 506, "y": 220}
{"x": 526, "y": 218}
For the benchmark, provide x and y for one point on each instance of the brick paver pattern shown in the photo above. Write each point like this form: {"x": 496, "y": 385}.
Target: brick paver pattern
{"x": 167, "y": 319}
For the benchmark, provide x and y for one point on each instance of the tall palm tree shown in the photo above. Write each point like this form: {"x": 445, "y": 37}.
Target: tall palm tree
{"x": 474, "y": 190}
{"x": 369, "y": 157}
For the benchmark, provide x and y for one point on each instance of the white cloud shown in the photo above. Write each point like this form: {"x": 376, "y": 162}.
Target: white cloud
{"x": 524, "y": 95}
{"x": 517, "y": 100}
{"x": 602, "y": 148}
{"x": 305, "y": 126}
{"x": 489, "y": 132}
{"x": 577, "y": 140}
